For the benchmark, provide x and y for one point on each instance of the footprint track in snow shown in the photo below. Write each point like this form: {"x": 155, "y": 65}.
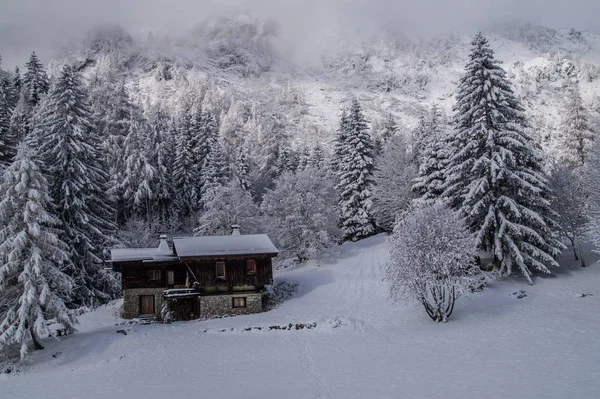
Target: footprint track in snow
{"x": 307, "y": 362}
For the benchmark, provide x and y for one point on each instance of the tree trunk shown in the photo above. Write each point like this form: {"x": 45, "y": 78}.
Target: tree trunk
{"x": 36, "y": 342}
{"x": 581, "y": 256}
{"x": 574, "y": 248}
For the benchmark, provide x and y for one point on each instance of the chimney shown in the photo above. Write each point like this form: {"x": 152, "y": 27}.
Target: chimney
{"x": 163, "y": 246}
{"x": 235, "y": 230}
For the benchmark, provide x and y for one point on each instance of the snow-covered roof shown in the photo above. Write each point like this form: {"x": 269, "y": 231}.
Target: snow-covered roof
{"x": 156, "y": 254}
{"x": 187, "y": 247}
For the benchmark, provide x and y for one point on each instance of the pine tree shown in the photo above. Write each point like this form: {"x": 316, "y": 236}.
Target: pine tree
{"x": 317, "y": 158}
{"x": 5, "y": 117}
{"x": 71, "y": 154}
{"x": 494, "y": 176}
{"x": 339, "y": 145}
{"x": 113, "y": 113}
{"x": 33, "y": 285}
{"x": 285, "y": 161}
{"x": 205, "y": 134}
{"x": 577, "y": 137}
{"x": 16, "y": 82}
{"x": 12, "y": 93}
{"x": 418, "y": 139}
{"x": 242, "y": 171}
{"x": 303, "y": 159}
{"x": 428, "y": 184}
{"x": 19, "y": 126}
{"x": 215, "y": 172}
{"x": 161, "y": 150}
{"x": 139, "y": 175}
{"x": 354, "y": 170}
{"x": 390, "y": 128}
{"x": 184, "y": 176}
{"x": 35, "y": 80}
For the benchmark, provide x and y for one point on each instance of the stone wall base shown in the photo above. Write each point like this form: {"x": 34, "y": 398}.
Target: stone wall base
{"x": 221, "y": 305}
{"x": 210, "y": 305}
{"x": 131, "y": 301}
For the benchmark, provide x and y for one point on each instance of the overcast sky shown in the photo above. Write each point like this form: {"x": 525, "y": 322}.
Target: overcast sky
{"x": 44, "y": 25}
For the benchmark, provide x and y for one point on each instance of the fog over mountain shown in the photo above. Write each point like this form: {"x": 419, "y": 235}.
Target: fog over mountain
{"x": 306, "y": 27}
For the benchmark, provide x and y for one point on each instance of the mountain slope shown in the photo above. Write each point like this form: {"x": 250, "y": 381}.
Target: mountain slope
{"x": 235, "y": 67}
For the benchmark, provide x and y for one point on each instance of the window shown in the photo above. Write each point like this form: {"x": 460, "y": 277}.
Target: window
{"x": 221, "y": 270}
{"x": 153, "y": 275}
{"x": 250, "y": 266}
{"x": 170, "y": 277}
{"x": 239, "y": 302}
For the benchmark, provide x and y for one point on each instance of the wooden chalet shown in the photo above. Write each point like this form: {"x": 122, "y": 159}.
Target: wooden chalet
{"x": 192, "y": 277}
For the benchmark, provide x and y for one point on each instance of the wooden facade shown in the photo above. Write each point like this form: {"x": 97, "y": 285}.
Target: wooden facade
{"x": 200, "y": 272}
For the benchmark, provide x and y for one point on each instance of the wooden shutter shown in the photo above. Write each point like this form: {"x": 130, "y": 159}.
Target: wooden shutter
{"x": 221, "y": 270}
{"x": 250, "y": 266}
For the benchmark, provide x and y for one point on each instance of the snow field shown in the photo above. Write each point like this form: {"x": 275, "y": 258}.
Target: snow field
{"x": 496, "y": 345}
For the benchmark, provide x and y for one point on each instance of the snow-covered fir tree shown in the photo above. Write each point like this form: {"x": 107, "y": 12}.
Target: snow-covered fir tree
{"x": 113, "y": 113}
{"x": 228, "y": 205}
{"x": 5, "y": 117}
{"x": 20, "y": 123}
{"x": 317, "y": 157}
{"x": 418, "y": 135}
{"x": 11, "y": 92}
{"x": 339, "y": 145}
{"x": 389, "y": 128}
{"x": 139, "y": 175}
{"x": 393, "y": 177}
{"x": 493, "y": 176}
{"x": 71, "y": 154}
{"x": 35, "y": 81}
{"x": 17, "y": 81}
{"x": 33, "y": 285}
{"x": 303, "y": 158}
{"x": 242, "y": 170}
{"x": 285, "y": 161}
{"x": 205, "y": 133}
{"x": 428, "y": 184}
{"x": 354, "y": 170}
{"x": 300, "y": 214}
{"x": 160, "y": 149}
{"x": 576, "y": 136}
{"x": 215, "y": 172}
{"x": 185, "y": 180}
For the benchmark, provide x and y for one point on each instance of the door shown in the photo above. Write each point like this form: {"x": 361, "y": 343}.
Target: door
{"x": 146, "y": 304}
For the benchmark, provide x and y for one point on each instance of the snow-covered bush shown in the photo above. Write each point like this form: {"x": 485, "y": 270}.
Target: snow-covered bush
{"x": 138, "y": 233}
{"x": 432, "y": 259}
{"x": 571, "y": 202}
{"x": 300, "y": 215}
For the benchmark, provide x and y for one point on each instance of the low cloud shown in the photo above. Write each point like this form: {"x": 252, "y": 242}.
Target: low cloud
{"x": 41, "y": 25}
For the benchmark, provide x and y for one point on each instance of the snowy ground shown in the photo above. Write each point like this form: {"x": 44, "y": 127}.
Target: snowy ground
{"x": 496, "y": 345}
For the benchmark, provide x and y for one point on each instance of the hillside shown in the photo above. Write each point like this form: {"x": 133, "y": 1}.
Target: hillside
{"x": 511, "y": 340}
{"x": 240, "y": 68}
